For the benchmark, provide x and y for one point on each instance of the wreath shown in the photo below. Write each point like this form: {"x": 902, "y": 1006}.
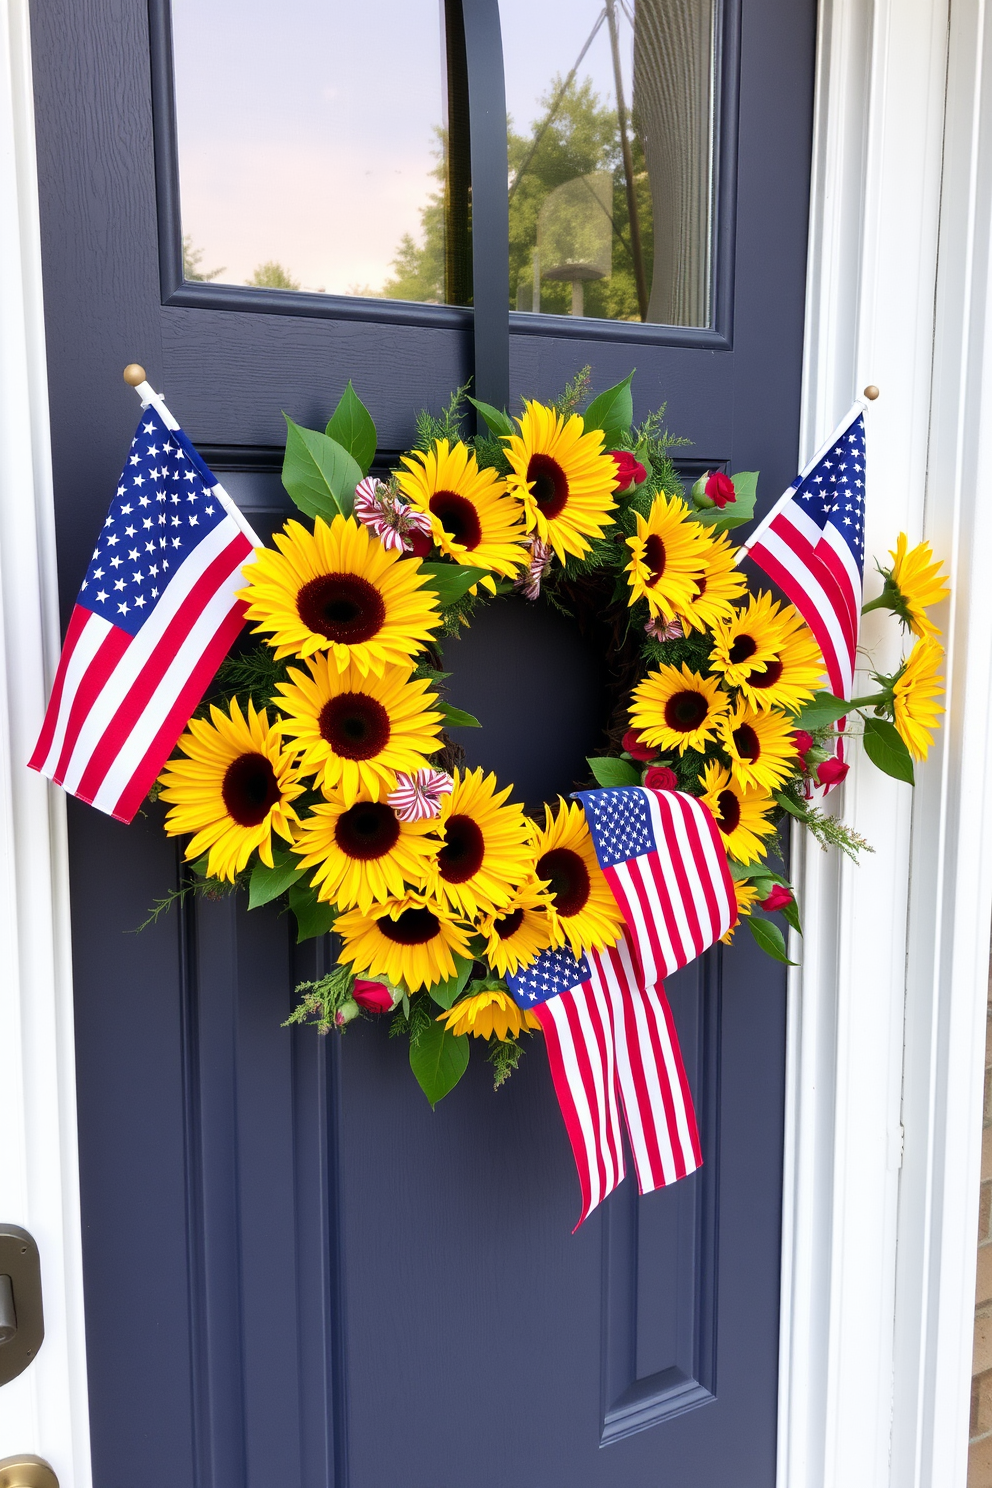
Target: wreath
{"x": 319, "y": 771}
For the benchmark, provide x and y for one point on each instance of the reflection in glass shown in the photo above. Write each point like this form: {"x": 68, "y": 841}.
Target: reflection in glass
{"x": 611, "y": 157}
{"x": 313, "y": 146}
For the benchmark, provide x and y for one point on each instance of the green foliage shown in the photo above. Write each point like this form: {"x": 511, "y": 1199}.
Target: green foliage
{"x": 352, "y": 426}
{"x": 885, "y": 748}
{"x": 737, "y": 512}
{"x": 450, "y": 581}
{"x": 192, "y": 258}
{"x": 438, "y": 1059}
{"x": 498, "y": 423}
{"x": 609, "y": 771}
{"x": 254, "y": 674}
{"x": 445, "y": 425}
{"x": 574, "y": 392}
{"x": 504, "y": 1056}
{"x": 320, "y": 1001}
{"x": 272, "y": 275}
{"x": 457, "y": 717}
{"x": 445, "y": 993}
{"x": 822, "y": 710}
{"x": 769, "y": 937}
{"x": 613, "y": 412}
{"x": 313, "y": 917}
{"x": 267, "y": 884}
{"x": 319, "y": 474}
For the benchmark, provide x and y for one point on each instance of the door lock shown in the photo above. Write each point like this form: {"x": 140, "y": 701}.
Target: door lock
{"x": 26, "y": 1471}
{"x": 22, "y": 1320}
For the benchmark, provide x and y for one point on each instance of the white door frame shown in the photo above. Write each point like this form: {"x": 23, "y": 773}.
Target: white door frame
{"x": 887, "y": 1011}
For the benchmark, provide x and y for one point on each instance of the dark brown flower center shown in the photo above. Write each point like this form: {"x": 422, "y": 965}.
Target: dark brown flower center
{"x": 746, "y": 742}
{"x": 368, "y": 830}
{"x": 413, "y": 927}
{"x": 355, "y": 725}
{"x": 654, "y": 557}
{"x": 767, "y": 676}
{"x": 343, "y": 607}
{"x": 686, "y": 711}
{"x": 700, "y": 587}
{"x": 568, "y": 879}
{"x": 508, "y": 925}
{"x": 250, "y": 789}
{"x": 463, "y": 851}
{"x": 458, "y": 517}
{"x": 549, "y": 485}
{"x": 743, "y": 647}
{"x": 728, "y": 812}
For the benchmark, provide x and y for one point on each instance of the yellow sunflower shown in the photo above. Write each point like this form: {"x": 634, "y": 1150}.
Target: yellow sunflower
{"x": 790, "y": 677}
{"x": 355, "y": 732}
{"x": 718, "y": 588}
{"x": 412, "y": 942}
{"x": 583, "y": 907}
{"x": 473, "y": 519}
{"x": 563, "y": 478}
{"x": 739, "y": 811}
{"x": 487, "y": 1013}
{"x": 233, "y": 789}
{"x": 747, "y": 897}
{"x": 911, "y": 585}
{"x": 486, "y": 846}
{"x": 915, "y": 691}
{"x": 747, "y": 641}
{"x": 677, "y": 709}
{"x": 761, "y": 744}
{"x": 668, "y": 557}
{"x": 363, "y": 853}
{"x": 516, "y": 934}
{"x": 340, "y": 590}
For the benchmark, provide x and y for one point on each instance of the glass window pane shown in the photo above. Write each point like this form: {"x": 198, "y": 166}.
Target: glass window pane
{"x": 611, "y": 142}
{"x": 312, "y": 147}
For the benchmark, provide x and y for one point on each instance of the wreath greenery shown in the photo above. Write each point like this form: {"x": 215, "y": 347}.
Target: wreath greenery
{"x": 319, "y": 770}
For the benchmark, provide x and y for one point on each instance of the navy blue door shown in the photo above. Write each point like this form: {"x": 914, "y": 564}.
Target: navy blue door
{"x": 296, "y": 1272}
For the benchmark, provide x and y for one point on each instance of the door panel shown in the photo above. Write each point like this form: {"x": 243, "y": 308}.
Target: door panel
{"x": 296, "y": 1272}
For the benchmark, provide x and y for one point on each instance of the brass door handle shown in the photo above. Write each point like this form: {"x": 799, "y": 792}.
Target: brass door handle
{"x": 27, "y": 1471}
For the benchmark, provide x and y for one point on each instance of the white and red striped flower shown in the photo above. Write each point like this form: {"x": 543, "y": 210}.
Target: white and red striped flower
{"x": 390, "y": 519}
{"x": 529, "y": 582}
{"x": 418, "y": 796}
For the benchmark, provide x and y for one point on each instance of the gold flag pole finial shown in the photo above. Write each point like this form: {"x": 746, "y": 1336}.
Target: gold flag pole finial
{"x": 871, "y": 391}
{"x": 134, "y": 375}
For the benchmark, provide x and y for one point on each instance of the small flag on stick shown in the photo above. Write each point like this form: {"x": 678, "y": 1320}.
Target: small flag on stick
{"x": 155, "y": 616}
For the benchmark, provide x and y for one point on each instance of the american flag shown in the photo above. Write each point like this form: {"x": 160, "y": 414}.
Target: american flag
{"x": 812, "y": 544}
{"x": 155, "y": 616}
{"x": 665, "y": 861}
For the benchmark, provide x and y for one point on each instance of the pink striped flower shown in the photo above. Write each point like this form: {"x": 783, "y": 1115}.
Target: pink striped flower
{"x": 529, "y": 582}
{"x": 665, "y": 630}
{"x": 418, "y": 796}
{"x": 390, "y": 519}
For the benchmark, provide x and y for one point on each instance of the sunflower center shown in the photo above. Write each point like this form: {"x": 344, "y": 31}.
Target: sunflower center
{"x": 700, "y": 588}
{"x": 767, "y": 676}
{"x": 250, "y": 789}
{"x": 463, "y": 851}
{"x": 355, "y": 725}
{"x": 568, "y": 878}
{"x": 728, "y": 812}
{"x": 344, "y": 607}
{"x": 746, "y": 742}
{"x": 654, "y": 557}
{"x": 686, "y": 711}
{"x": 368, "y": 830}
{"x": 549, "y": 485}
{"x": 413, "y": 927}
{"x": 458, "y": 517}
{"x": 743, "y": 647}
{"x": 508, "y": 925}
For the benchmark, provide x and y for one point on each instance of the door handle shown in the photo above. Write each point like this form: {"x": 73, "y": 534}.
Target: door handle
{"x": 26, "y": 1471}
{"x": 22, "y": 1319}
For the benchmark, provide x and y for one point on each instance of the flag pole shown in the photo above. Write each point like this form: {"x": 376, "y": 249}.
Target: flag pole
{"x": 135, "y": 376}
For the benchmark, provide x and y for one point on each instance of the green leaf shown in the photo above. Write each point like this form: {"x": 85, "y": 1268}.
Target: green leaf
{"x": 499, "y": 423}
{"x": 312, "y": 916}
{"x": 451, "y": 580}
{"x": 438, "y": 1059}
{"x": 352, "y": 427}
{"x": 790, "y": 913}
{"x": 612, "y": 411}
{"x": 267, "y": 884}
{"x": 610, "y": 771}
{"x": 444, "y": 993}
{"x": 885, "y": 748}
{"x": 821, "y": 710}
{"x": 457, "y": 717}
{"x": 318, "y": 473}
{"x": 791, "y": 805}
{"x": 770, "y": 938}
{"x": 736, "y": 512}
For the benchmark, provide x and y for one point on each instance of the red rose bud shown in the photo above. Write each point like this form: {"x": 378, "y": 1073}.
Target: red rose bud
{"x": 660, "y": 777}
{"x": 804, "y": 742}
{"x": 420, "y": 543}
{"x": 832, "y": 771}
{"x": 630, "y": 472}
{"x": 374, "y": 997}
{"x": 777, "y": 899}
{"x": 720, "y": 489}
{"x": 631, "y": 741}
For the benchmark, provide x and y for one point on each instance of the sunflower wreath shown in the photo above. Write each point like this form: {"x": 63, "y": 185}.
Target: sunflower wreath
{"x": 320, "y": 771}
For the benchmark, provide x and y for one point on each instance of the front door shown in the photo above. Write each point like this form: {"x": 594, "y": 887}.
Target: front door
{"x": 297, "y": 1272}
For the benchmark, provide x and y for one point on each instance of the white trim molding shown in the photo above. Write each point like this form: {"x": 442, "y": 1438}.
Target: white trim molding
{"x": 44, "y": 1410}
{"x": 886, "y": 1045}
